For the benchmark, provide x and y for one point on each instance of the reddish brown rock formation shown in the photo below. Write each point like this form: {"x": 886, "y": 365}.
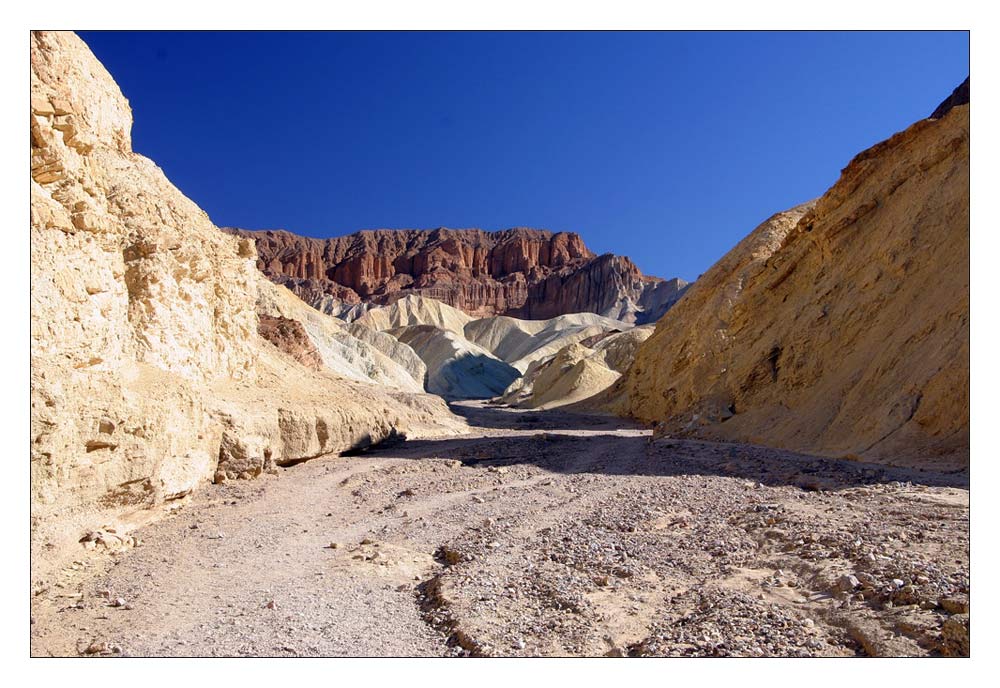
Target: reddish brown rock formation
{"x": 525, "y": 273}
{"x": 289, "y": 336}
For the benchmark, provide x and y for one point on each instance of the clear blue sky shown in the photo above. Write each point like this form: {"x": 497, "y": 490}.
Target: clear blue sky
{"x": 666, "y": 147}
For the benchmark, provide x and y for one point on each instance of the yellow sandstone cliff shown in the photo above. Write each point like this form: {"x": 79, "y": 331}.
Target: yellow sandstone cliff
{"x": 840, "y": 327}
{"x": 148, "y": 375}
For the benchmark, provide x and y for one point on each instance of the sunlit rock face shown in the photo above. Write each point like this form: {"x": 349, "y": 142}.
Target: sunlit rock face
{"x": 149, "y": 376}
{"x": 839, "y": 327}
{"x": 524, "y": 273}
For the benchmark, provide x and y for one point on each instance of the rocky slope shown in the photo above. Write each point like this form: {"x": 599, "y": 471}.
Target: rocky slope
{"x": 577, "y": 373}
{"x": 350, "y": 350}
{"x": 416, "y": 310}
{"x": 148, "y": 375}
{"x": 525, "y": 273}
{"x": 840, "y": 327}
{"x": 456, "y": 368}
{"x": 520, "y": 342}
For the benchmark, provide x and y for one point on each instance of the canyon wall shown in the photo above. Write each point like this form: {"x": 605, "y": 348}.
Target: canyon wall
{"x": 840, "y": 327}
{"x": 524, "y": 273}
{"x": 148, "y": 374}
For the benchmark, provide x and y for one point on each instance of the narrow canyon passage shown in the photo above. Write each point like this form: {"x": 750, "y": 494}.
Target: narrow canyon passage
{"x": 540, "y": 533}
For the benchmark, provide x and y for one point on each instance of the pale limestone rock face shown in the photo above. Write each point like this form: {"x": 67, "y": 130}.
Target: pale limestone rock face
{"x": 121, "y": 238}
{"x": 839, "y": 328}
{"x": 272, "y": 423}
{"x": 136, "y": 300}
{"x": 347, "y": 349}
{"x": 149, "y": 377}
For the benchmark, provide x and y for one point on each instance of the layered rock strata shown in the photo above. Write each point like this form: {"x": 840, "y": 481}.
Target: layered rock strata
{"x": 520, "y": 272}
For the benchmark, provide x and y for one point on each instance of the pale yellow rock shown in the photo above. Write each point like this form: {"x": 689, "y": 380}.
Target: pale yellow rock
{"x": 41, "y": 106}
{"x": 348, "y": 349}
{"x": 416, "y": 310}
{"x": 574, "y": 374}
{"x": 840, "y": 328}
{"x": 272, "y": 422}
{"x": 149, "y": 378}
{"x": 520, "y": 342}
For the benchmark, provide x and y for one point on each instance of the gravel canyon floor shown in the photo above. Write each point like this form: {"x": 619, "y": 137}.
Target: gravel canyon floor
{"x": 540, "y": 533}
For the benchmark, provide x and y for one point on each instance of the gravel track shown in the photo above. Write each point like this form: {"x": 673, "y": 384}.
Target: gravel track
{"x": 540, "y": 533}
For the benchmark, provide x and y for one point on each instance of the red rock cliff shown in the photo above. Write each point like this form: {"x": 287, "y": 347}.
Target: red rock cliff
{"x": 526, "y": 273}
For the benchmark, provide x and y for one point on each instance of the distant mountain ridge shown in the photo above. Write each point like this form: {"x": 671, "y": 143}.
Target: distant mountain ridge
{"x": 520, "y": 272}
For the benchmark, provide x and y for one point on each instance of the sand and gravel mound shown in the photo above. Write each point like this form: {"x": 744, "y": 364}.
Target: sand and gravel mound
{"x": 577, "y": 373}
{"x": 573, "y": 374}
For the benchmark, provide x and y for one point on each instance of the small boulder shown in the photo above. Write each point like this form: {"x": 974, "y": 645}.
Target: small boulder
{"x": 847, "y": 584}
{"x": 955, "y": 636}
{"x": 955, "y": 604}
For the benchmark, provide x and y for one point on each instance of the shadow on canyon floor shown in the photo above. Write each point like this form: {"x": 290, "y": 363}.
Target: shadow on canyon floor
{"x": 480, "y": 414}
{"x": 570, "y": 443}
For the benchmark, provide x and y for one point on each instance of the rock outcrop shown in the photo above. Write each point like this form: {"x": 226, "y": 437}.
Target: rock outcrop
{"x": 350, "y": 350}
{"x": 148, "y": 375}
{"x": 289, "y": 336}
{"x": 840, "y": 327}
{"x": 524, "y": 273}
{"x": 960, "y": 96}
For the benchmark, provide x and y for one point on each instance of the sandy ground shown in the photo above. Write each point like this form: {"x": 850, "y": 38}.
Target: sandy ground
{"x": 541, "y": 533}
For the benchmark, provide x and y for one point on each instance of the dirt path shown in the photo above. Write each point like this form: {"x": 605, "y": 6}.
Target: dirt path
{"x": 539, "y": 533}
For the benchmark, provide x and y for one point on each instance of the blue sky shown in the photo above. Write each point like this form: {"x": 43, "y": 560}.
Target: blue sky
{"x": 667, "y": 147}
